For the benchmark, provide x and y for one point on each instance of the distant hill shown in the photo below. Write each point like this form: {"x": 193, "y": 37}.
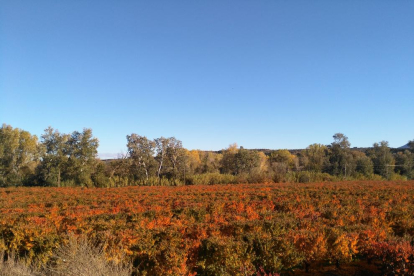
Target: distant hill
{"x": 404, "y": 147}
{"x": 109, "y": 157}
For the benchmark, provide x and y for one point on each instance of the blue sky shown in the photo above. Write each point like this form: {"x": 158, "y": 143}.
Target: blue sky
{"x": 264, "y": 74}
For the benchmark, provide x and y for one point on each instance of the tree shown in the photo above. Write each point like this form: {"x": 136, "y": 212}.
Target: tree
{"x": 141, "y": 150}
{"x": 118, "y": 171}
{"x": 193, "y": 161}
{"x": 239, "y": 161}
{"x": 281, "y": 161}
{"x": 283, "y": 156}
{"x": 28, "y": 155}
{"x": 54, "y": 156}
{"x": 100, "y": 176}
{"x": 161, "y": 145}
{"x": 340, "y": 157}
{"x": 382, "y": 158}
{"x": 82, "y": 151}
{"x": 228, "y": 162}
{"x": 9, "y": 141}
{"x": 404, "y": 162}
{"x": 68, "y": 157}
{"x": 341, "y": 141}
{"x": 316, "y": 157}
{"x": 411, "y": 145}
{"x": 364, "y": 165}
{"x": 264, "y": 162}
{"x": 19, "y": 154}
{"x": 210, "y": 162}
{"x": 175, "y": 154}
{"x": 246, "y": 161}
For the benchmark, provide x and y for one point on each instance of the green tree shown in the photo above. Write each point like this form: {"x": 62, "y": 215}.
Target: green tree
{"x": 404, "y": 162}
{"x": 9, "y": 141}
{"x": 54, "y": 156}
{"x": 411, "y": 145}
{"x": 239, "y": 161}
{"x": 82, "y": 149}
{"x": 228, "y": 162}
{"x": 246, "y": 161}
{"x": 141, "y": 150}
{"x": 69, "y": 158}
{"x": 210, "y": 162}
{"x": 316, "y": 155}
{"x": 364, "y": 165}
{"x": 382, "y": 158}
{"x": 175, "y": 155}
{"x": 341, "y": 141}
{"x": 100, "y": 176}
{"x": 19, "y": 154}
{"x": 340, "y": 157}
{"x": 118, "y": 171}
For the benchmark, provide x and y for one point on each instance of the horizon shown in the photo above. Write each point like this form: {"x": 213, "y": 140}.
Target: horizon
{"x": 277, "y": 75}
{"x": 103, "y": 155}
{"x": 109, "y": 156}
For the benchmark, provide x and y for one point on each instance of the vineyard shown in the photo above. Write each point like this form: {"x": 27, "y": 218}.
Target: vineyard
{"x": 246, "y": 229}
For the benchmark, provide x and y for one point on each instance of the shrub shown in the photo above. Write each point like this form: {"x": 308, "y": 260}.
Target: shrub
{"x": 259, "y": 178}
{"x": 12, "y": 266}
{"x": 223, "y": 256}
{"x": 398, "y": 177}
{"x": 211, "y": 178}
{"x": 80, "y": 257}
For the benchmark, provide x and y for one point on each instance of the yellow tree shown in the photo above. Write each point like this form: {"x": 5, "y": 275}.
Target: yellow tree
{"x": 264, "y": 162}
{"x": 317, "y": 157}
{"x": 193, "y": 161}
{"x": 281, "y": 161}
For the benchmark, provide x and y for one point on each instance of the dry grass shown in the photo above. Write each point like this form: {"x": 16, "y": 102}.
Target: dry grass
{"x": 12, "y": 266}
{"x": 78, "y": 257}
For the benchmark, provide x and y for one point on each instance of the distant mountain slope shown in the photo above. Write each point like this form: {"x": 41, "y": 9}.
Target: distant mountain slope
{"x": 406, "y": 146}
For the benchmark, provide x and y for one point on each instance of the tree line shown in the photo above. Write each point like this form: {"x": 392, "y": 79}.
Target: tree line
{"x": 61, "y": 160}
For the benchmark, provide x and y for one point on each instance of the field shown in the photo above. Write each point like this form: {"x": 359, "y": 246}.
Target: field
{"x": 253, "y": 229}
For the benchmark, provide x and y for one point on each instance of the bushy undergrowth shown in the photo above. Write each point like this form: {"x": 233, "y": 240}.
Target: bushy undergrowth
{"x": 211, "y": 178}
{"x": 10, "y": 265}
{"x": 259, "y": 177}
{"x": 77, "y": 257}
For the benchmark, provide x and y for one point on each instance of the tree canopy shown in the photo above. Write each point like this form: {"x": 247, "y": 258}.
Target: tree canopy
{"x": 70, "y": 159}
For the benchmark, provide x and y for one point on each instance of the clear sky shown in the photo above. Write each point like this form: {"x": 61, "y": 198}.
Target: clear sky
{"x": 264, "y": 74}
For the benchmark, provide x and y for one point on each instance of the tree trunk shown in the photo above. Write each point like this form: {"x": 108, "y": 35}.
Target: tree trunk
{"x": 58, "y": 177}
{"x": 159, "y": 168}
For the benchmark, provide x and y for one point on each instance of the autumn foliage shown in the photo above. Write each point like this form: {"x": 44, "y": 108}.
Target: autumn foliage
{"x": 252, "y": 229}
